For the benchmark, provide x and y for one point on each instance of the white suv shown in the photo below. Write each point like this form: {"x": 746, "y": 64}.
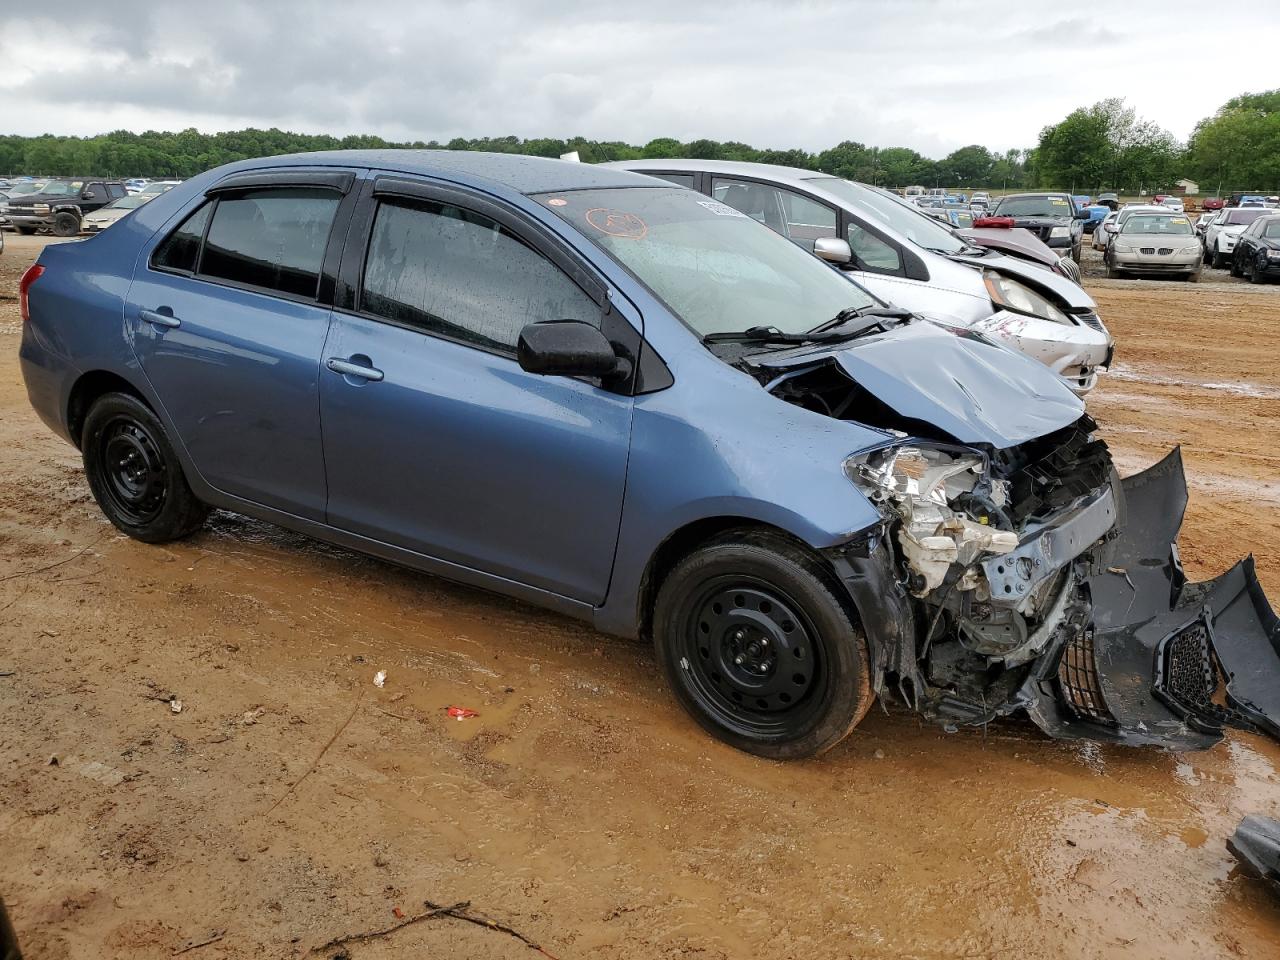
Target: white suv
{"x": 1220, "y": 239}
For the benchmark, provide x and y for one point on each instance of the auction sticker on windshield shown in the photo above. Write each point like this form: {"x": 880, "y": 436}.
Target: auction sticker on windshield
{"x": 720, "y": 209}
{"x": 617, "y": 223}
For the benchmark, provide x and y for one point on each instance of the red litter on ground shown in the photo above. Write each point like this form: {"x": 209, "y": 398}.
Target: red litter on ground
{"x": 461, "y": 713}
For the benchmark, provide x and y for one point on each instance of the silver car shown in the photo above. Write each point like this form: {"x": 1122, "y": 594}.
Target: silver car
{"x": 1155, "y": 243}
{"x": 911, "y": 260}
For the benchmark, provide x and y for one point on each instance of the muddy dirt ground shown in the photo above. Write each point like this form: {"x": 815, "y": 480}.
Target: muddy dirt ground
{"x": 292, "y": 802}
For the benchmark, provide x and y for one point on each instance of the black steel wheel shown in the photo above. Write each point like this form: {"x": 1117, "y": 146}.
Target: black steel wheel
{"x": 758, "y": 648}
{"x": 66, "y": 224}
{"x": 134, "y": 473}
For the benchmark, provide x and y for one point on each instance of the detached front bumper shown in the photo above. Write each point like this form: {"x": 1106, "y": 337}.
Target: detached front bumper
{"x": 1161, "y": 661}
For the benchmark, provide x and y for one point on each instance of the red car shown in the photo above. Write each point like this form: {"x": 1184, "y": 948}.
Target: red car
{"x": 1212, "y": 203}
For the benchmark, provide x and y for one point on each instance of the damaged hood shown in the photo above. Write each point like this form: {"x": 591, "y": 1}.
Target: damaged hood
{"x": 971, "y": 390}
{"x": 1069, "y": 295}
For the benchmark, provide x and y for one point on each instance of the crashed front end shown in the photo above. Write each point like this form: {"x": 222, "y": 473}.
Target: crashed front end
{"x": 1032, "y": 578}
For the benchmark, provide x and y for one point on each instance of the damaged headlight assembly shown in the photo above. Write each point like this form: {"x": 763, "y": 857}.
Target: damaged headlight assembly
{"x": 948, "y": 504}
{"x": 1009, "y": 294}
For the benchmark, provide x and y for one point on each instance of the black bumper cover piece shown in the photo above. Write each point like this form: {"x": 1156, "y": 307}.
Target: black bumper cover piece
{"x": 1164, "y": 662}
{"x": 1256, "y": 844}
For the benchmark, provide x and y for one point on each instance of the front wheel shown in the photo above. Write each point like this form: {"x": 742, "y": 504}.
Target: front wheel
{"x": 1219, "y": 258}
{"x": 758, "y": 649}
{"x": 66, "y": 224}
{"x": 27, "y": 231}
{"x": 134, "y": 473}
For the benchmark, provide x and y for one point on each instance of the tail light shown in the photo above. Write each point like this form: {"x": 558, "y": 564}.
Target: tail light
{"x": 34, "y": 273}
{"x": 1004, "y": 222}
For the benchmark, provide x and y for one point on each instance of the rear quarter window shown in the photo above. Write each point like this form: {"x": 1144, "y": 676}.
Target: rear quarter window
{"x": 181, "y": 249}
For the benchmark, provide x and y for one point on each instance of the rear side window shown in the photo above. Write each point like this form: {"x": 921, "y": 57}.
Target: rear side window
{"x": 458, "y": 274}
{"x": 182, "y": 247}
{"x": 272, "y": 238}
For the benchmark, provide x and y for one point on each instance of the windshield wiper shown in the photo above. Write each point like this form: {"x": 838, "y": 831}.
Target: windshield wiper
{"x": 857, "y": 313}
{"x": 835, "y": 330}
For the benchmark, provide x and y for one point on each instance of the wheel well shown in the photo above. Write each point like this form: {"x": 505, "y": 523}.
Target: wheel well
{"x": 689, "y": 538}
{"x": 89, "y": 388}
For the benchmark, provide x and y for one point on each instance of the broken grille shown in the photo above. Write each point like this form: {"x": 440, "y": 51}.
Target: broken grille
{"x": 1081, "y": 686}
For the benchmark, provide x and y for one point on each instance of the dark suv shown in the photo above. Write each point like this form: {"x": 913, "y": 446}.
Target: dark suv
{"x": 1053, "y": 217}
{"x": 61, "y": 203}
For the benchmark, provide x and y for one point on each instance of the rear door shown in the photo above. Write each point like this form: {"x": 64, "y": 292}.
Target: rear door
{"x": 230, "y": 321}
{"x": 435, "y": 439}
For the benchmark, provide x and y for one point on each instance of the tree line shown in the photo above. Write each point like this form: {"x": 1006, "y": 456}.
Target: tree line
{"x": 1104, "y": 146}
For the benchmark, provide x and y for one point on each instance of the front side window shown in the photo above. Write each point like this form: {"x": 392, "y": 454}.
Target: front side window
{"x": 181, "y": 249}
{"x": 904, "y": 218}
{"x": 872, "y": 252}
{"x": 715, "y": 269}
{"x": 270, "y": 238}
{"x": 679, "y": 179}
{"x": 756, "y": 200}
{"x": 461, "y": 275}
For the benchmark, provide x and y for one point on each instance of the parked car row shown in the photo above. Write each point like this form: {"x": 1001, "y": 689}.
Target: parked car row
{"x": 702, "y": 406}
{"x": 68, "y": 206}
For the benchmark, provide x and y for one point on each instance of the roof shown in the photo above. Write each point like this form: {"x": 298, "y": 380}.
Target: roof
{"x": 729, "y": 168}
{"x": 519, "y": 172}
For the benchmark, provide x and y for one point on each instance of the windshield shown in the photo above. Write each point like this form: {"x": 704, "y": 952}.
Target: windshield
{"x": 127, "y": 203}
{"x": 26, "y": 187}
{"x": 1034, "y": 207}
{"x": 1243, "y": 216}
{"x": 716, "y": 268}
{"x": 63, "y": 188}
{"x": 1163, "y": 226}
{"x": 920, "y": 228}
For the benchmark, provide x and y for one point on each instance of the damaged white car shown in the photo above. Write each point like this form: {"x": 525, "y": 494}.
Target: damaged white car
{"x": 913, "y": 261}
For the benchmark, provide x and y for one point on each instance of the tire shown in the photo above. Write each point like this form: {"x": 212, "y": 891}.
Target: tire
{"x": 1219, "y": 258}
{"x": 27, "y": 231}
{"x": 1254, "y": 276}
{"x": 134, "y": 473}
{"x": 758, "y": 649}
{"x": 66, "y": 224}
{"x": 1194, "y": 276}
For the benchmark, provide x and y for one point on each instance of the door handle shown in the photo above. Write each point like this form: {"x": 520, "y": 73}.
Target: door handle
{"x": 160, "y": 319}
{"x": 349, "y": 369}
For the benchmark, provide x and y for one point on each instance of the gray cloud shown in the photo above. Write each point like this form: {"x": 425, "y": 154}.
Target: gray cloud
{"x": 929, "y": 75}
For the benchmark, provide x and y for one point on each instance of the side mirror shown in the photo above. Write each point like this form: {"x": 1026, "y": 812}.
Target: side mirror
{"x": 568, "y": 348}
{"x": 86, "y": 195}
{"x": 833, "y": 250}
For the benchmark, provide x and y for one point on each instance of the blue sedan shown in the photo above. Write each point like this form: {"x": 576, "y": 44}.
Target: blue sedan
{"x": 629, "y": 402}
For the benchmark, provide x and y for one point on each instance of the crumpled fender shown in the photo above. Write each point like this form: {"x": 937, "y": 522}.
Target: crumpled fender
{"x": 1256, "y": 844}
{"x": 1164, "y": 662}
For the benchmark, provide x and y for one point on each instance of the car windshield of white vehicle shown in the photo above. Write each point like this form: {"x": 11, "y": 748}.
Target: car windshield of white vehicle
{"x": 1238, "y": 216}
{"x": 1157, "y": 225}
{"x": 918, "y": 227}
{"x": 127, "y": 203}
{"x": 1034, "y": 207}
{"x": 715, "y": 267}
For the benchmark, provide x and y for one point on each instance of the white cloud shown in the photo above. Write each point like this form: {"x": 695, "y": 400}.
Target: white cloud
{"x": 918, "y": 73}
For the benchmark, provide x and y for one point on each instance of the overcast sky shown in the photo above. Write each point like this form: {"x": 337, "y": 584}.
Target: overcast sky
{"x": 928, "y": 74}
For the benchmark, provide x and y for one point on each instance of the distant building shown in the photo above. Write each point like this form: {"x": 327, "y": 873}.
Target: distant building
{"x": 1188, "y": 187}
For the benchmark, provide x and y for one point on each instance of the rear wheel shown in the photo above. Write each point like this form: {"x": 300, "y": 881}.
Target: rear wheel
{"x": 134, "y": 473}
{"x": 759, "y": 650}
{"x": 66, "y": 224}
